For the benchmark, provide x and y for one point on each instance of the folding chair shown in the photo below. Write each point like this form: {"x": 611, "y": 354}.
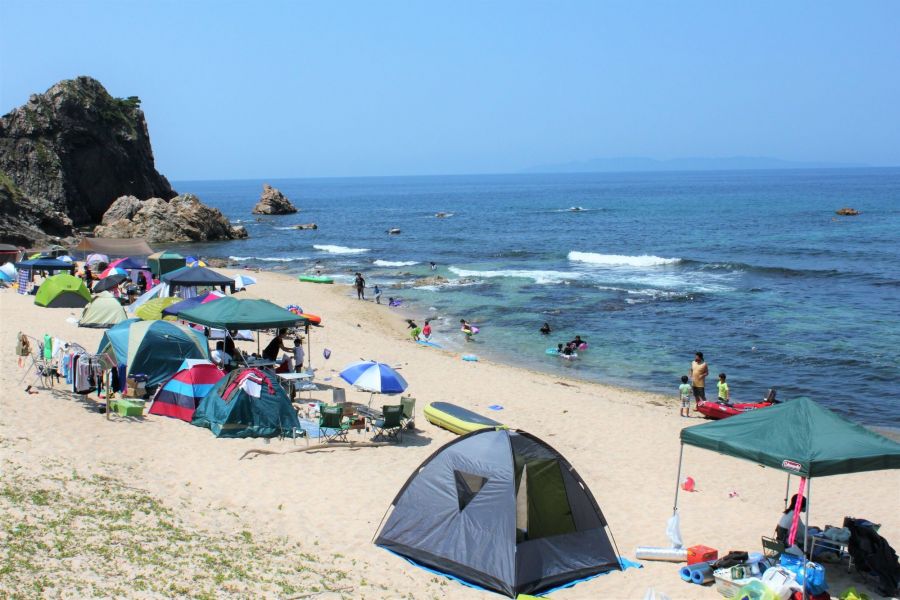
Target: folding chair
{"x": 332, "y": 426}
{"x": 409, "y": 412}
{"x": 772, "y": 548}
{"x": 390, "y": 426}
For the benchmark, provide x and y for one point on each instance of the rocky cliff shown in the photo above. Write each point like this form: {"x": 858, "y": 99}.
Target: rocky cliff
{"x": 182, "y": 219}
{"x": 273, "y": 202}
{"x": 22, "y": 220}
{"x": 73, "y": 150}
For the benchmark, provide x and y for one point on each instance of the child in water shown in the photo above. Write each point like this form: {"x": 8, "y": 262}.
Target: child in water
{"x": 684, "y": 390}
{"x": 466, "y": 329}
{"x": 724, "y": 394}
{"x": 426, "y": 331}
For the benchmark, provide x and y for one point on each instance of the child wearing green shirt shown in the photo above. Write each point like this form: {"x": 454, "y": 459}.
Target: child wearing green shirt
{"x": 724, "y": 395}
{"x": 684, "y": 390}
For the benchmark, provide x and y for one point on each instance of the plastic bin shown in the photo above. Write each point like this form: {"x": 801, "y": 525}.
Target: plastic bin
{"x": 130, "y": 408}
{"x": 727, "y": 586}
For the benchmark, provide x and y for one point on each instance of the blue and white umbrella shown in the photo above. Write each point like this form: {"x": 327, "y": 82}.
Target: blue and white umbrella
{"x": 374, "y": 377}
{"x": 242, "y": 281}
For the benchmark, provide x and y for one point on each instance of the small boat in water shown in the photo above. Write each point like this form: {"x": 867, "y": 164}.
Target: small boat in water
{"x": 393, "y": 231}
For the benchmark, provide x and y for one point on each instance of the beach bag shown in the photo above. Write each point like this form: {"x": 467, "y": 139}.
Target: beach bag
{"x": 23, "y": 346}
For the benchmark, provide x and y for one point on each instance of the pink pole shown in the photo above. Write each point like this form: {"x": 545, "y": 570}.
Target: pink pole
{"x": 793, "y": 533}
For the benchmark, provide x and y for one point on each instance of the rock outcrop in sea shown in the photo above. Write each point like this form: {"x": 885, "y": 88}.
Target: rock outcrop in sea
{"x": 273, "y": 202}
{"x": 847, "y": 212}
{"x": 72, "y": 150}
{"x": 182, "y": 219}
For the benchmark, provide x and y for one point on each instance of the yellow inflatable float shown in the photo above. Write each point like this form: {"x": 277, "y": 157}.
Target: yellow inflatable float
{"x": 457, "y": 419}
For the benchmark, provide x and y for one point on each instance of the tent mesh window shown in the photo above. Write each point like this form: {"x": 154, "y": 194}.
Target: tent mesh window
{"x": 467, "y": 487}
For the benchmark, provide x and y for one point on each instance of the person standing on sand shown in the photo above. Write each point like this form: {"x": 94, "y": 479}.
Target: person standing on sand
{"x": 377, "y": 291}
{"x": 88, "y": 278}
{"x": 684, "y": 390}
{"x": 426, "y": 331}
{"x": 698, "y": 372}
{"x": 360, "y": 284}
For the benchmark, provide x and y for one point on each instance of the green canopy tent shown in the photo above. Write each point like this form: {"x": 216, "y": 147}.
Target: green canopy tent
{"x": 798, "y": 437}
{"x": 233, "y": 314}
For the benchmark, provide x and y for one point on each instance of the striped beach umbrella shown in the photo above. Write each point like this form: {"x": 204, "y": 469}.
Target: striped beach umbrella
{"x": 374, "y": 377}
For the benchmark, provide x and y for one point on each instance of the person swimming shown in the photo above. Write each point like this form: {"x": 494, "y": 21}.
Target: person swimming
{"x": 545, "y": 329}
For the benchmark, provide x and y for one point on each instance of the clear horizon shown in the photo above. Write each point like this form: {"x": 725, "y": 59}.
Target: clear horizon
{"x": 236, "y": 91}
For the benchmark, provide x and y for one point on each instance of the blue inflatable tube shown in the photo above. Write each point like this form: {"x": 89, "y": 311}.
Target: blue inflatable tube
{"x": 699, "y": 573}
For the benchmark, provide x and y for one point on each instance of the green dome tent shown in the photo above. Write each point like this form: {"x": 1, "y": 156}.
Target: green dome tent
{"x": 103, "y": 311}
{"x": 153, "y": 348}
{"x": 62, "y": 290}
{"x": 247, "y": 403}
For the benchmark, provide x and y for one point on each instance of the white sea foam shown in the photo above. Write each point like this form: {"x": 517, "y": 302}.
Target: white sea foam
{"x": 537, "y": 276}
{"x": 267, "y": 258}
{"x": 331, "y": 249}
{"x": 621, "y": 260}
{"x": 395, "y": 263}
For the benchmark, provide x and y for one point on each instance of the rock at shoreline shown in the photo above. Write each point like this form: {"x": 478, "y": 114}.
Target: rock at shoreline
{"x": 273, "y": 202}
{"x": 70, "y": 152}
{"x": 847, "y": 212}
{"x": 181, "y": 219}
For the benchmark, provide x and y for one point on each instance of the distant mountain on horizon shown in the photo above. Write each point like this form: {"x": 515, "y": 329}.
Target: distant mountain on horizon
{"x": 643, "y": 163}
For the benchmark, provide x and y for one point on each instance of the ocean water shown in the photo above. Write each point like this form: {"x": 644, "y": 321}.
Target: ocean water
{"x": 753, "y": 268}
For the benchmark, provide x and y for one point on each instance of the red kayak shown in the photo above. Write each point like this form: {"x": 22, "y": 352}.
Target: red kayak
{"x": 716, "y": 410}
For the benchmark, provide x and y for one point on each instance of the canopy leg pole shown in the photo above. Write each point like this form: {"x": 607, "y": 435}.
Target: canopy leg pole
{"x": 787, "y": 490}
{"x": 309, "y": 366}
{"x": 678, "y": 478}
{"x": 805, "y": 534}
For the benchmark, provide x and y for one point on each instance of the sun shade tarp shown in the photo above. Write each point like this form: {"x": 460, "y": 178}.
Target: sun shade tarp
{"x": 115, "y": 247}
{"x": 198, "y": 276}
{"x": 231, "y": 313}
{"x": 45, "y": 264}
{"x": 798, "y": 437}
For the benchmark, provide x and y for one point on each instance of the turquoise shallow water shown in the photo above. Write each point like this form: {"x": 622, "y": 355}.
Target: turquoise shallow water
{"x": 753, "y": 268}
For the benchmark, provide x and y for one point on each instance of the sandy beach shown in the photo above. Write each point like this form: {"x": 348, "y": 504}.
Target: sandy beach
{"x": 322, "y": 508}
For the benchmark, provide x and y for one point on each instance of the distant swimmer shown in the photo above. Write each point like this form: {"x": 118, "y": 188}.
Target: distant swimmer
{"x": 545, "y": 329}
{"x": 433, "y": 266}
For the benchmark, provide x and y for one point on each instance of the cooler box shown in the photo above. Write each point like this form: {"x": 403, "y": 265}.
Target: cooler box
{"x": 130, "y": 408}
{"x": 698, "y": 554}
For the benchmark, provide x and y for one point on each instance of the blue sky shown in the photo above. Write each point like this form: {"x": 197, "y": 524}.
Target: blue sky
{"x": 295, "y": 89}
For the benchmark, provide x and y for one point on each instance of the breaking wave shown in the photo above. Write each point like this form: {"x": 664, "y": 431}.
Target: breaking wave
{"x": 536, "y": 276}
{"x": 331, "y": 249}
{"x": 395, "y": 263}
{"x": 266, "y": 258}
{"x": 621, "y": 260}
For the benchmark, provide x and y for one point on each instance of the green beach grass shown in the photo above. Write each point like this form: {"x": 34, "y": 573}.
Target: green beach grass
{"x": 65, "y": 533}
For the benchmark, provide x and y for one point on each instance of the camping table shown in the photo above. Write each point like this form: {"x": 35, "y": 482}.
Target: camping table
{"x": 289, "y": 382}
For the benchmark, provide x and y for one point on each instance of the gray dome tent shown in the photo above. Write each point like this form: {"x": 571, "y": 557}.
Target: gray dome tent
{"x": 503, "y": 511}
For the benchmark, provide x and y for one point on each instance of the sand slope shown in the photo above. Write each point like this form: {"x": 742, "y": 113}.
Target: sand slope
{"x": 623, "y": 443}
